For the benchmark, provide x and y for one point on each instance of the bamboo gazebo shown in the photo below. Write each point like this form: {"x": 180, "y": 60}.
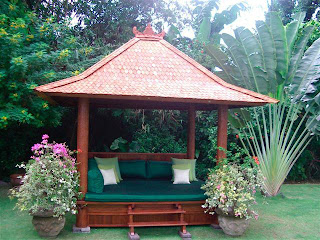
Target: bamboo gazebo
{"x": 146, "y": 73}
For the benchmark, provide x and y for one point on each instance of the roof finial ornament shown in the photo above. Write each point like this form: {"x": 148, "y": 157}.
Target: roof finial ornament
{"x": 148, "y": 33}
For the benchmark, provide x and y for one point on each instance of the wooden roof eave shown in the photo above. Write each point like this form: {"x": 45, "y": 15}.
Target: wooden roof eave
{"x": 46, "y": 97}
{"x": 136, "y": 100}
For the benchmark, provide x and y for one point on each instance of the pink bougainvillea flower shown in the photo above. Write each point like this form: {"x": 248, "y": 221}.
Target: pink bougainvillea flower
{"x": 36, "y": 147}
{"x": 59, "y": 148}
{"x": 45, "y": 136}
{"x": 79, "y": 150}
{"x": 218, "y": 187}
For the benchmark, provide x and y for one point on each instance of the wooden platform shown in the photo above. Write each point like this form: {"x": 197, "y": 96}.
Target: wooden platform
{"x": 143, "y": 214}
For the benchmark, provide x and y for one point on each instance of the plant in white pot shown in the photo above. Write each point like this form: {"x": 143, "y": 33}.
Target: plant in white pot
{"x": 50, "y": 187}
{"x": 230, "y": 190}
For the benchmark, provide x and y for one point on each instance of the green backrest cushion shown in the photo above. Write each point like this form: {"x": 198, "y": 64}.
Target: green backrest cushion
{"x": 110, "y": 166}
{"x": 92, "y": 163}
{"x": 108, "y": 161}
{"x": 176, "y": 161}
{"x": 133, "y": 169}
{"x": 159, "y": 170}
{"x": 95, "y": 178}
{"x": 182, "y": 167}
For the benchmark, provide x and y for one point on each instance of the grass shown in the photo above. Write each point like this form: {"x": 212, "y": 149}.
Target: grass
{"x": 294, "y": 216}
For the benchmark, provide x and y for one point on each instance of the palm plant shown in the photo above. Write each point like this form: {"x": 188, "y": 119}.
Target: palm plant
{"x": 273, "y": 61}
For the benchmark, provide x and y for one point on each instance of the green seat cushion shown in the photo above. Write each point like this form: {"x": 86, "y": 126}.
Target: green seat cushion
{"x": 133, "y": 169}
{"x": 142, "y": 190}
{"x": 183, "y": 167}
{"x": 176, "y": 161}
{"x": 159, "y": 170}
{"x": 108, "y": 161}
{"x": 110, "y": 166}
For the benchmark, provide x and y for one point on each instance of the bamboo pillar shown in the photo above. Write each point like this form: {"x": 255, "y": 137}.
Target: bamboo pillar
{"x": 191, "y": 132}
{"x": 82, "y": 156}
{"x": 222, "y": 130}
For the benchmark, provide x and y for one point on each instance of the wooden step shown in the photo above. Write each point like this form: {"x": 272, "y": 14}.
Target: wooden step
{"x": 157, "y": 224}
{"x": 154, "y": 211}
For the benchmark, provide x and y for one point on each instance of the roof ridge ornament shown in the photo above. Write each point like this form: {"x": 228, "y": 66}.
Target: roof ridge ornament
{"x": 148, "y": 33}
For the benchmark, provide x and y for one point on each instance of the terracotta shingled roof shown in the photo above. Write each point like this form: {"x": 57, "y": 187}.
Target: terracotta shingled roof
{"x": 149, "y": 68}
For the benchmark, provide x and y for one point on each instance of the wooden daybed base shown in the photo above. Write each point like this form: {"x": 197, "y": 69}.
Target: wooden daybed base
{"x": 117, "y": 214}
{"x": 145, "y": 214}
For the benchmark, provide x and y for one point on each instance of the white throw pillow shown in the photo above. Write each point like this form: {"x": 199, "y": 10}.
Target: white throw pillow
{"x": 109, "y": 177}
{"x": 181, "y": 176}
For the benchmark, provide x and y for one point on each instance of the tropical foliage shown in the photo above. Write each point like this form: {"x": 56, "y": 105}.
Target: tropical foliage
{"x": 287, "y": 8}
{"x": 273, "y": 61}
{"x": 51, "y": 181}
{"x": 110, "y": 21}
{"x": 162, "y": 131}
{"x": 206, "y": 27}
{"x": 33, "y": 52}
{"x": 269, "y": 60}
{"x": 231, "y": 189}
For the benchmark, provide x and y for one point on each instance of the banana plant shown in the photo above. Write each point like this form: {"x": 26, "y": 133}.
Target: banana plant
{"x": 210, "y": 26}
{"x": 273, "y": 61}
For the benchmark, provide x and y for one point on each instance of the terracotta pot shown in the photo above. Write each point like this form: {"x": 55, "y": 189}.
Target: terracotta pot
{"x": 233, "y": 226}
{"x": 16, "y": 179}
{"x": 46, "y": 225}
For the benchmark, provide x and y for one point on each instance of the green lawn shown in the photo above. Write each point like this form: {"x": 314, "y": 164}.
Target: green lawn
{"x": 296, "y": 216}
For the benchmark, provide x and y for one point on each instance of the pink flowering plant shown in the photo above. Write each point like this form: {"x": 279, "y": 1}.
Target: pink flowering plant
{"x": 231, "y": 189}
{"x": 51, "y": 182}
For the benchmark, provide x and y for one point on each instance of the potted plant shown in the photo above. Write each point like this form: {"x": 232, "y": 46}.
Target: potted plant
{"x": 231, "y": 189}
{"x": 50, "y": 186}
